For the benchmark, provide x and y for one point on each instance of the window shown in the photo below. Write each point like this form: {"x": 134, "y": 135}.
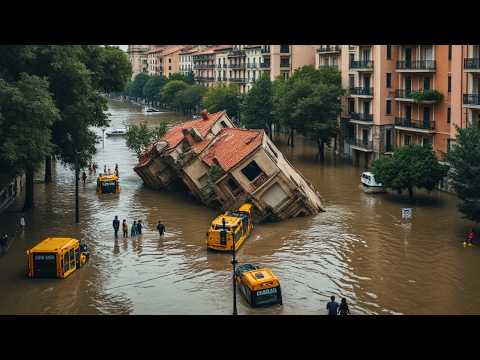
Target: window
{"x": 389, "y": 107}
{"x": 351, "y": 80}
{"x": 66, "y": 262}
{"x": 389, "y": 52}
{"x": 252, "y": 171}
{"x": 352, "y": 58}
{"x": 449, "y": 114}
{"x": 426, "y": 83}
{"x": 389, "y": 80}
{"x": 407, "y": 139}
{"x": 169, "y": 68}
{"x": 449, "y": 83}
{"x": 232, "y": 184}
{"x": 223, "y": 124}
{"x": 351, "y": 105}
{"x": 169, "y": 60}
{"x": 72, "y": 259}
{"x": 425, "y": 142}
{"x": 449, "y": 52}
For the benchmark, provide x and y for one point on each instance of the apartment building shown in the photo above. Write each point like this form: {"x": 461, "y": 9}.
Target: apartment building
{"x": 253, "y": 56}
{"x": 328, "y": 56}
{"x": 137, "y": 54}
{"x": 154, "y": 61}
{"x": 204, "y": 66}
{"x": 237, "y": 66}
{"x": 283, "y": 60}
{"x": 396, "y": 95}
{"x": 222, "y": 73}
{"x": 186, "y": 58}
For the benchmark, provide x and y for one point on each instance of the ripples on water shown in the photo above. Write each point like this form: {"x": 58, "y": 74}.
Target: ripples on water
{"x": 359, "y": 248}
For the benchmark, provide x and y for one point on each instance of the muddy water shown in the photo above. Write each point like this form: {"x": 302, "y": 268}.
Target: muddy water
{"x": 359, "y": 248}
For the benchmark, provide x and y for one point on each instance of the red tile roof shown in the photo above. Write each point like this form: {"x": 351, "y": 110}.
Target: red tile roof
{"x": 232, "y": 145}
{"x": 175, "y": 135}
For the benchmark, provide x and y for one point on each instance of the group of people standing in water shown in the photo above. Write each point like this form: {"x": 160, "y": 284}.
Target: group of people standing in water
{"x": 135, "y": 229}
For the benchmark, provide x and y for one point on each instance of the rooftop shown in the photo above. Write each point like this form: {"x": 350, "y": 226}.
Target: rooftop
{"x": 232, "y": 145}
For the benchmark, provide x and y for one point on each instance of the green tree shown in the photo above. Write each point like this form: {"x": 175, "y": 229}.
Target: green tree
{"x": 151, "y": 89}
{"x": 140, "y": 137}
{"x": 222, "y": 97}
{"x": 116, "y": 70}
{"x": 170, "y": 90}
{"x": 190, "y": 98}
{"x": 464, "y": 158}
{"x": 257, "y": 107}
{"x": 189, "y": 79}
{"x": 27, "y": 112}
{"x": 135, "y": 89}
{"x": 409, "y": 167}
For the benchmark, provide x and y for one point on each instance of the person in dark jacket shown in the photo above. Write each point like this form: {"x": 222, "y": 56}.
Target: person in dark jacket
{"x": 116, "y": 225}
{"x": 343, "y": 308}
{"x": 133, "y": 229}
{"x": 161, "y": 228}
{"x": 139, "y": 227}
{"x": 332, "y": 306}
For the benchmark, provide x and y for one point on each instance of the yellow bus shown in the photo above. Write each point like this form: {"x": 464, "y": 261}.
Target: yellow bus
{"x": 259, "y": 286}
{"x": 56, "y": 257}
{"x": 232, "y": 225}
{"x": 108, "y": 184}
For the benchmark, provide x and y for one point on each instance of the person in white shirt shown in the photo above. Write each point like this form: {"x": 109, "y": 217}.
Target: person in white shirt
{"x": 22, "y": 223}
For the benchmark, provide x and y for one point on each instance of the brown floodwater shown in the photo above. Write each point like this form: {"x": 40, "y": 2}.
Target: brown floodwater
{"x": 359, "y": 248}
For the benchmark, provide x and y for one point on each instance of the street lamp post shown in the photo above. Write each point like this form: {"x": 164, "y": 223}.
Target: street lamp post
{"x": 234, "y": 262}
{"x": 77, "y": 175}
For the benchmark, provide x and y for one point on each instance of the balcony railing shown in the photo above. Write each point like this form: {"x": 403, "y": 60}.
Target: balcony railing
{"x": 204, "y": 66}
{"x": 260, "y": 180}
{"x": 404, "y": 94}
{"x": 471, "y": 64}
{"x": 204, "y": 78}
{"x": 236, "y": 53}
{"x": 252, "y": 66}
{"x": 330, "y": 66}
{"x": 237, "y": 66}
{"x": 361, "y": 91}
{"x": 265, "y": 65}
{"x": 416, "y": 65}
{"x": 361, "y": 143}
{"x": 238, "y": 80}
{"x": 328, "y": 49}
{"x": 361, "y": 64}
{"x": 265, "y": 50}
{"x": 471, "y": 99}
{"x": 361, "y": 116}
{"x": 416, "y": 124}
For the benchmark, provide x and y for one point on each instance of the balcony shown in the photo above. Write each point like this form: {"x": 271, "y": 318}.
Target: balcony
{"x": 237, "y": 66}
{"x": 416, "y": 66}
{"x": 414, "y": 125}
{"x": 360, "y": 91}
{"x": 329, "y": 66}
{"x": 260, "y": 180}
{"x": 236, "y": 53}
{"x": 471, "y": 100}
{"x": 204, "y": 66}
{"x": 265, "y": 65}
{"x": 265, "y": 50}
{"x": 428, "y": 96}
{"x": 361, "y": 144}
{"x": 471, "y": 64}
{"x": 361, "y": 65}
{"x": 252, "y": 66}
{"x": 204, "y": 78}
{"x": 329, "y": 49}
{"x": 285, "y": 64}
{"x": 239, "y": 80}
{"x": 361, "y": 117}
{"x": 284, "y": 49}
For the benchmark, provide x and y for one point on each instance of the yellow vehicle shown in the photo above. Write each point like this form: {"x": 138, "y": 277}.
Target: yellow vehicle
{"x": 108, "y": 184}
{"x": 232, "y": 225}
{"x": 56, "y": 257}
{"x": 259, "y": 286}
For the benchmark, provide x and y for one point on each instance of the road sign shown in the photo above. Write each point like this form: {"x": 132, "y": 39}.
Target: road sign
{"x": 406, "y": 213}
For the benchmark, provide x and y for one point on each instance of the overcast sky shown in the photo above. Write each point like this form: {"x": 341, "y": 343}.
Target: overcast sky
{"x": 123, "y": 47}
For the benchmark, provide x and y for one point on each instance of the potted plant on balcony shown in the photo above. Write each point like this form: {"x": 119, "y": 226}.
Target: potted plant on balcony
{"x": 427, "y": 96}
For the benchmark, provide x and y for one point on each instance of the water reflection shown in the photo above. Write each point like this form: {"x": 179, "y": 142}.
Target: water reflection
{"x": 359, "y": 248}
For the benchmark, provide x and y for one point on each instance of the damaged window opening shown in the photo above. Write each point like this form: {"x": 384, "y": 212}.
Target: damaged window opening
{"x": 252, "y": 171}
{"x": 232, "y": 184}
{"x": 223, "y": 124}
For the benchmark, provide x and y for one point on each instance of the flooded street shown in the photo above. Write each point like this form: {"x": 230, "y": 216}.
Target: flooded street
{"x": 359, "y": 248}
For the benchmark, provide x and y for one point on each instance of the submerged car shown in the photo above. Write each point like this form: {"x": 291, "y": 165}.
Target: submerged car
{"x": 233, "y": 226}
{"x": 259, "y": 286}
{"x": 56, "y": 258}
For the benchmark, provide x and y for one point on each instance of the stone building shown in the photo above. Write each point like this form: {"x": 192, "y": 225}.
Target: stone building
{"x": 224, "y": 166}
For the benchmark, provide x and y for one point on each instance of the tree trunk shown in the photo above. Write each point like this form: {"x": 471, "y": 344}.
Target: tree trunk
{"x": 321, "y": 150}
{"x": 410, "y": 193}
{"x": 28, "y": 190}
{"x": 48, "y": 169}
{"x": 291, "y": 143}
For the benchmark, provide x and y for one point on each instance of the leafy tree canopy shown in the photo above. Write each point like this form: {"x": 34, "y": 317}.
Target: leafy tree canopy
{"x": 222, "y": 97}
{"x": 257, "y": 107}
{"x": 140, "y": 137}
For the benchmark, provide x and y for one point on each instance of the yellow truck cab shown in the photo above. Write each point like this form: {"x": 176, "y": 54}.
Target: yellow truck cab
{"x": 108, "y": 184}
{"x": 231, "y": 225}
{"x": 56, "y": 257}
{"x": 259, "y": 286}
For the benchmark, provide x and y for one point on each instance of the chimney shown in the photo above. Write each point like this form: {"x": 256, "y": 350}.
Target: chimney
{"x": 204, "y": 114}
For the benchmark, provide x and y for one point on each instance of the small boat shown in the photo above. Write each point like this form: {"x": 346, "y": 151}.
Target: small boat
{"x": 116, "y": 132}
{"x": 233, "y": 226}
{"x": 259, "y": 286}
{"x": 148, "y": 109}
{"x": 369, "y": 184}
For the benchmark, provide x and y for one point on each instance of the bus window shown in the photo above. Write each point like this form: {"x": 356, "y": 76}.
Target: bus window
{"x": 72, "y": 259}
{"x": 66, "y": 263}
{"x": 223, "y": 237}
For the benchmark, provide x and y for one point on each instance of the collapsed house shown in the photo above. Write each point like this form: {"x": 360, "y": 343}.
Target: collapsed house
{"x": 224, "y": 166}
